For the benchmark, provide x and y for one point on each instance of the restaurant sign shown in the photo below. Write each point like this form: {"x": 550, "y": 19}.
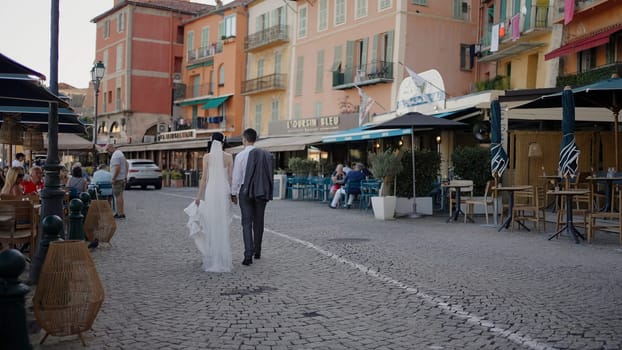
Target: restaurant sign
{"x": 426, "y": 97}
{"x": 312, "y": 125}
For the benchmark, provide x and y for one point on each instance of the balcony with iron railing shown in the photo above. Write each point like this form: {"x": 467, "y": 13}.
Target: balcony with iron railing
{"x": 366, "y": 74}
{"x": 538, "y": 19}
{"x": 204, "y": 53}
{"x": 184, "y": 92}
{"x": 268, "y": 37}
{"x": 579, "y": 5}
{"x": 591, "y": 76}
{"x": 264, "y": 83}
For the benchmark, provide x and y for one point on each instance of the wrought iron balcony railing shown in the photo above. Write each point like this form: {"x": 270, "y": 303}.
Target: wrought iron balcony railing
{"x": 267, "y": 82}
{"x": 267, "y": 36}
{"x": 588, "y": 77}
{"x": 183, "y": 91}
{"x": 203, "y": 53}
{"x": 365, "y": 74}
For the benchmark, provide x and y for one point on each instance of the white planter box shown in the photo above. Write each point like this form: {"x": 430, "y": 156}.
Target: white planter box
{"x": 384, "y": 207}
{"x": 425, "y": 205}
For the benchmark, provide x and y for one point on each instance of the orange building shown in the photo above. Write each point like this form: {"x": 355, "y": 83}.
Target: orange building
{"x": 141, "y": 45}
{"x": 213, "y": 70}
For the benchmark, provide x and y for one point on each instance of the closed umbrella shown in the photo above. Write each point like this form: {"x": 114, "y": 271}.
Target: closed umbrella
{"x": 568, "y": 151}
{"x": 417, "y": 121}
{"x": 498, "y": 157}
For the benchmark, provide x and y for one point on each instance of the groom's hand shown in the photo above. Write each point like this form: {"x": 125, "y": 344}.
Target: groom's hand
{"x": 234, "y": 199}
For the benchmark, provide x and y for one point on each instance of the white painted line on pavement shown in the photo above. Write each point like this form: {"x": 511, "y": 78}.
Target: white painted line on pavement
{"x": 454, "y": 309}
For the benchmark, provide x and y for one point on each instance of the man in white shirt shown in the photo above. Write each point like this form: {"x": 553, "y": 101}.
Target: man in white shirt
{"x": 118, "y": 167}
{"x": 252, "y": 207}
{"x": 19, "y": 160}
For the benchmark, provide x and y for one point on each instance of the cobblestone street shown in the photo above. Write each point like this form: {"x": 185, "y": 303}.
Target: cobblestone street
{"x": 339, "y": 279}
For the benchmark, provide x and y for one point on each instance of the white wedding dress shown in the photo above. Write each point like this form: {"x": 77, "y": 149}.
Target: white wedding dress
{"x": 209, "y": 222}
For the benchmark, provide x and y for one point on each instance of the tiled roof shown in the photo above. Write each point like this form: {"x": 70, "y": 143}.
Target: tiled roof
{"x": 187, "y": 7}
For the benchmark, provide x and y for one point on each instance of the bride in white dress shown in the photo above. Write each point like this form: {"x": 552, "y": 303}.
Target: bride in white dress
{"x": 210, "y": 213}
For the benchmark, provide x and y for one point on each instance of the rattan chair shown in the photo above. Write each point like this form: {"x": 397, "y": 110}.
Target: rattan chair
{"x": 486, "y": 202}
{"x": 605, "y": 220}
{"x": 527, "y": 207}
{"x": 23, "y": 222}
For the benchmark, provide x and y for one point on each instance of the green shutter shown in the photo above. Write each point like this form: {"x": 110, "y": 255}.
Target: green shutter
{"x": 190, "y": 41}
{"x": 363, "y": 64}
{"x": 221, "y": 29}
{"x": 319, "y": 73}
{"x": 299, "y": 74}
{"x": 516, "y": 7}
{"x": 374, "y": 55}
{"x": 336, "y": 59}
{"x": 349, "y": 67}
{"x": 527, "y": 23}
{"x": 205, "y": 37}
{"x": 503, "y": 10}
{"x": 389, "y": 54}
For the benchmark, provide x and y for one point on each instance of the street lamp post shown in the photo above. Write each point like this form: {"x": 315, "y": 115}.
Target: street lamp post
{"x": 97, "y": 73}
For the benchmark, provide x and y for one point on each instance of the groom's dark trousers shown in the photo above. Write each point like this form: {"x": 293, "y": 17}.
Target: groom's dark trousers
{"x": 252, "y": 210}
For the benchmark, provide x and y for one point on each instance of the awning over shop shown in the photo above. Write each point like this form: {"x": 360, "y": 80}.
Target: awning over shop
{"x": 361, "y": 134}
{"x": 70, "y": 142}
{"x": 587, "y": 42}
{"x": 215, "y": 102}
{"x": 282, "y": 144}
{"x": 459, "y": 114}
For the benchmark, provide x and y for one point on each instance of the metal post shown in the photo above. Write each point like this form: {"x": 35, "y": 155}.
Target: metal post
{"x": 95, "y": 127}
{"x": 76, "y": 220}
{"x": 13, "y": 330}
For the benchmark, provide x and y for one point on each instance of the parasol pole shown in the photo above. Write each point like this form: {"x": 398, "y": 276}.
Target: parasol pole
{"x": 616, "y": 138}
{"x": 496, "y": 198}
{"x": 414, "y": 214}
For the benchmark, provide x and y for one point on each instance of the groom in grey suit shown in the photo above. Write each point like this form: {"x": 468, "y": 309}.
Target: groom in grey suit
{"x": 252, "y": 183}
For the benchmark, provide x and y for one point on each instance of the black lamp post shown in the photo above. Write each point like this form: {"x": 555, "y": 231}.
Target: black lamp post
{"x": 97, "y": 73}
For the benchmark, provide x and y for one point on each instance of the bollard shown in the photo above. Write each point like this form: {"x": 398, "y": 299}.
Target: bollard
{"x": 86, "y": 202}
{"x": 13, "y": 330}
{"x": 52, "y": 230}
{"x": 76, "y": 219}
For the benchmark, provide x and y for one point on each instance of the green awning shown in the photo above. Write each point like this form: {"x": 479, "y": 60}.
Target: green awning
{"x": 193, "y": 102}
{"x": 215, "y": 102}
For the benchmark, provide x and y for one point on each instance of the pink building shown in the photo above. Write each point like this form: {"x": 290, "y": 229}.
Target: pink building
{"x": 140, "y": 43}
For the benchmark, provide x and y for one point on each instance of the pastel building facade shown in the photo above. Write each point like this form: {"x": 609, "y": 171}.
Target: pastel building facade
{"x": 141, "y": 45}
{"x": 344, "y": 44}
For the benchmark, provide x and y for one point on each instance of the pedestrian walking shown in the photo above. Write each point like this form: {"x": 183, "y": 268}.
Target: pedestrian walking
{"x": 252, "y": 186}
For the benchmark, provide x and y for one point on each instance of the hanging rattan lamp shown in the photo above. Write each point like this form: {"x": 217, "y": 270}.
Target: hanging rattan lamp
{"x": 11, "y": 132}
{"x": 33, "y": 139}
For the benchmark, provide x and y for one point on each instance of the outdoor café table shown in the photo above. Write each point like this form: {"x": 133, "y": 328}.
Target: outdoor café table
{"x": 609, "y": 188}
{"x": 458, "y": 211}
{"x": 569, "y": 226}
{"x": 555, "y": 180}
{"x": 510, "y": 190}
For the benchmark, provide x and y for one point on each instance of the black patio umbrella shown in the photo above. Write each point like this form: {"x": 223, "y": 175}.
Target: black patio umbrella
{"x": 8, "y": 67}
{"x": 417, "y": 121}
{"x": 498, "y": 157}
{"x": 603, "y": 94}
{"x": 568, "y": 151}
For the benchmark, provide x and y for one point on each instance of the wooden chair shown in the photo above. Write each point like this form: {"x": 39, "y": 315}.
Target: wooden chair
{"x": 488, "y": 201}
{"x": 605, "y": 220}
{"x": 24, "y": 221}
{"x": 465, "y": 193}
{"x": 527, "y": 207}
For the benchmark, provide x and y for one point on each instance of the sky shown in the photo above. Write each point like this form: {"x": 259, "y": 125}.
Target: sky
{"x": 25, "y": 28}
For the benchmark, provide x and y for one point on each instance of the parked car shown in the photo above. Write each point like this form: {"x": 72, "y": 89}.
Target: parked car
{"x": 143, "y": 173}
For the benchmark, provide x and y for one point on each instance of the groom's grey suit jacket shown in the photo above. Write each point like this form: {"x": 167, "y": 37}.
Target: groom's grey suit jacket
{"x": 258, "y": 181}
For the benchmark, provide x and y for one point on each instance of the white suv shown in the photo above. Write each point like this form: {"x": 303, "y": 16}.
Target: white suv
{"x": 143, "y": 173}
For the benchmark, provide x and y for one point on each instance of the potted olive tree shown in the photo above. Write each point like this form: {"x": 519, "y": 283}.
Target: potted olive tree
{"x": 385, "y": 166}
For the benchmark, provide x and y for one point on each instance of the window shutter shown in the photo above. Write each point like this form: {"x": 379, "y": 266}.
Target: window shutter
{"x": 221, "y": 30}
{"x": 363, "y": 63}
{"x": 319, "y": 75}
{"x": 374, "y": 55}
{"x": 503, "y": 9}
{"x": 348, "y": 72}
{"x": 389, "y": 54}
{"x": 277, "y": 62}
{"x": 299, "y": 75}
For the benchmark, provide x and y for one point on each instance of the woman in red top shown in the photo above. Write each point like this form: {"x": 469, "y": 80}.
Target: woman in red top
{"x": 35, "y": 183}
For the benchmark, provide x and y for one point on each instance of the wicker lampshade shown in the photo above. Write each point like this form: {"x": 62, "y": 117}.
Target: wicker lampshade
{"x": 33, "y": 139}
{"x": 535, "y": 151}
{"x": 70, "y": 293}
{"x": 11, "y": 132}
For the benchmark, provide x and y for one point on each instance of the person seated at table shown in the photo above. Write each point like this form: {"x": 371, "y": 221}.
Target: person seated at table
{"x": 102, "y": 178}
{"x": 35, "y": 183}
{"x": 339, "y": 178}
{"x": 352, "y": 187}
{"x": 366, "y": 172}
{"x": 77, "y": 184}
{"x": 64, "y": 177}
{"x": 13, "y": 184}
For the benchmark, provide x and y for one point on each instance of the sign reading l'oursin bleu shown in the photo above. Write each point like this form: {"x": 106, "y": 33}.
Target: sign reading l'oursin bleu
{"x": 311, "y": 125}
